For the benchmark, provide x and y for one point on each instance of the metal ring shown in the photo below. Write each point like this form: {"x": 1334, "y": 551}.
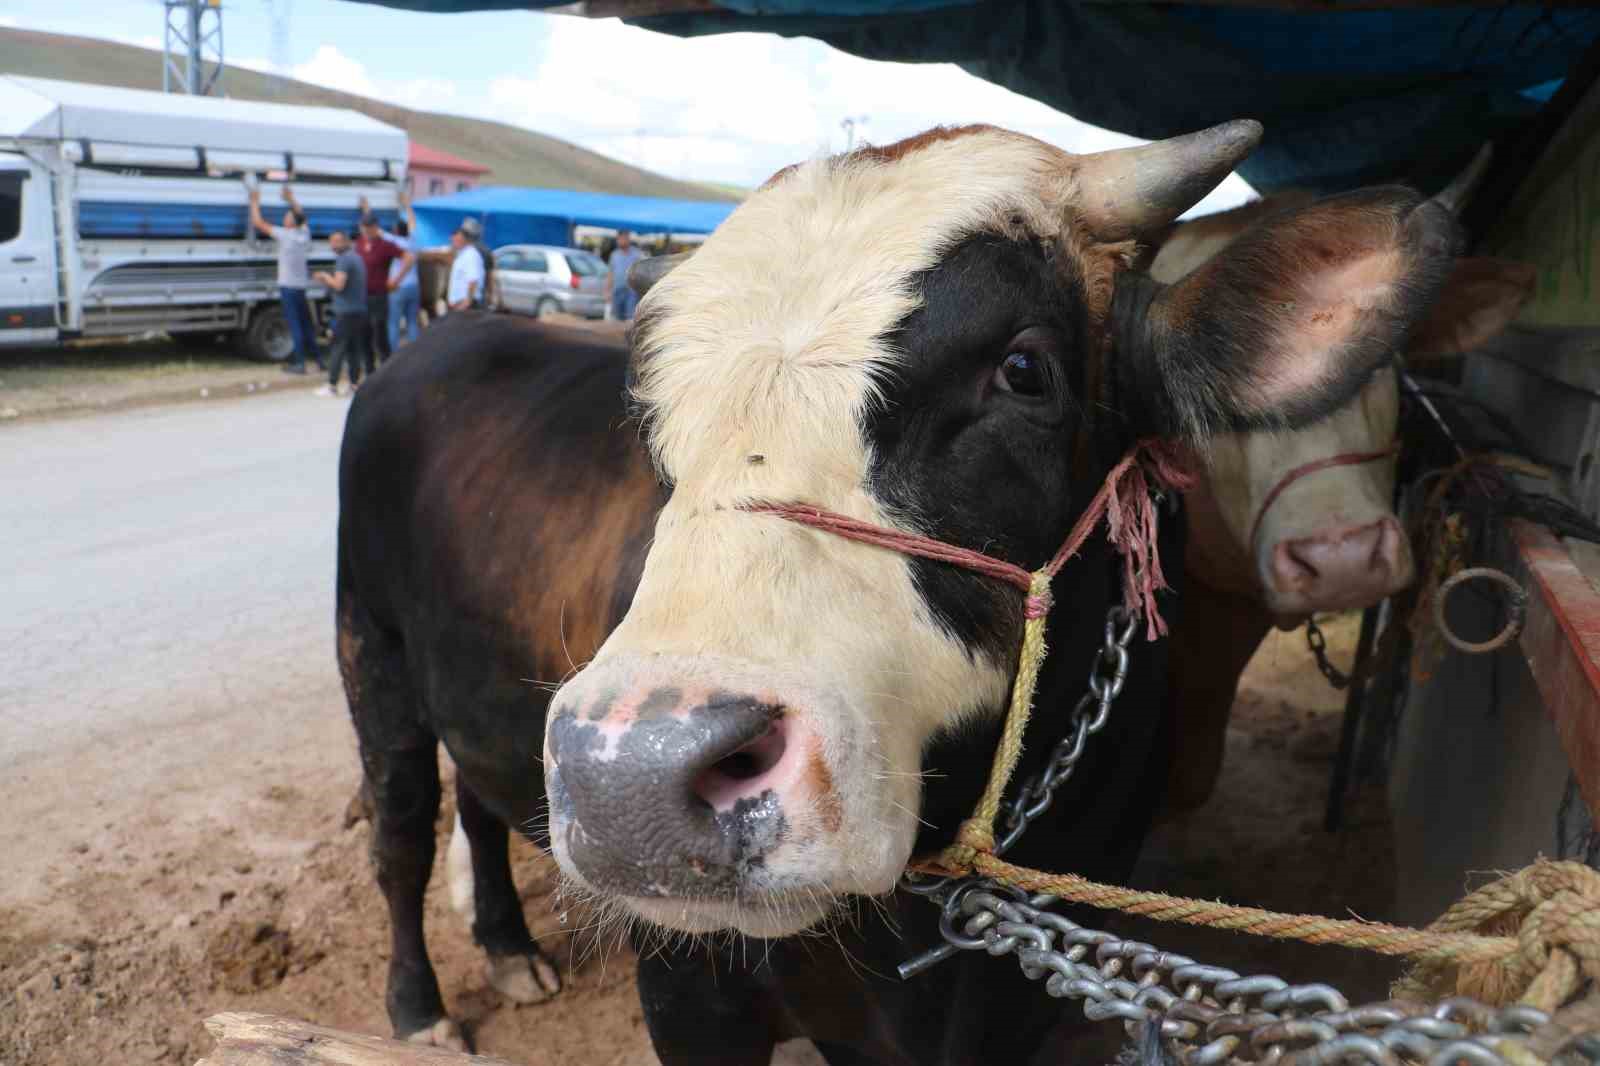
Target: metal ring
{"x": 1516, "y": 603}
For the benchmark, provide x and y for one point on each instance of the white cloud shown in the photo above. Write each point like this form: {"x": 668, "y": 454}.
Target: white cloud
{"x": 332, "y": 69}
{"x": 8, "y": 21}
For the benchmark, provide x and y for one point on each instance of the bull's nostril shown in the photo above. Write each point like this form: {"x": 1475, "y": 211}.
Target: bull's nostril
{"x": 738, "y": 774}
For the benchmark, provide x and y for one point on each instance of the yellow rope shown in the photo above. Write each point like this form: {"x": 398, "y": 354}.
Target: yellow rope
{"x": 1310, "y": 928}
{"x": 976, "y": 835}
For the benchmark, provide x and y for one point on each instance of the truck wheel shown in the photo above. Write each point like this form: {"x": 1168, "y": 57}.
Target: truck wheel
{"x": 267, "y": 339}
{"x": 546, "y": 308}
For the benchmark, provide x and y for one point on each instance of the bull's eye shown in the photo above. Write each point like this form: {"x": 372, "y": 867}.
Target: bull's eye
{"x": 1021, "y": 373}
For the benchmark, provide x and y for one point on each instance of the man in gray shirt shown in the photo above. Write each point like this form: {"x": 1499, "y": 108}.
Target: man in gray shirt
{"x": 623, "y": 299}
{"x": 294, "y": 246}
{"x": 348, "y": 283}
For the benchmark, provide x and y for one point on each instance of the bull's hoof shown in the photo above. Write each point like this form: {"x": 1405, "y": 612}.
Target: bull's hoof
{"x": 359, "y": 809}
{"x": 529, "y": 978}
{"x": 443, "y": 1033}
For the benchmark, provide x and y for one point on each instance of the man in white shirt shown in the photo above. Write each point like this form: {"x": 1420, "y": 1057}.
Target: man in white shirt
{"x": 294, "y": 247}
{"x": 466, "y": 272}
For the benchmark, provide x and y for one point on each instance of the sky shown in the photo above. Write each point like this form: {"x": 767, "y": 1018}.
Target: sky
{"x": 733, "y": 108}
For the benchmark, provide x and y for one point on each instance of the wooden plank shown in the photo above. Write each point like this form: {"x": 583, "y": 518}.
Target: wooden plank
{"x": 1561, "y": 643}
{"x": 248, "y": 1039}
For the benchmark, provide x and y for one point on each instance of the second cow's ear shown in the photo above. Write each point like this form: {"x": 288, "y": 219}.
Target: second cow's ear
{"x": 1285, "y": 324}
{"x": 1482, "y": 297}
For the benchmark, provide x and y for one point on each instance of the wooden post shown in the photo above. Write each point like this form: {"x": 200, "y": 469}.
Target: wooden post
{"x": 246, "y": 1039}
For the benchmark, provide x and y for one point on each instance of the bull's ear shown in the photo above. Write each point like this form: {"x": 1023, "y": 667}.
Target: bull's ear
{"x": 1286, "y": 323}
{"x": 1482, "y": 297}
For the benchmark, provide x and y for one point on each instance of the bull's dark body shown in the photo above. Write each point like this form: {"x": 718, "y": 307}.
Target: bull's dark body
{"x": 496, "y": 508}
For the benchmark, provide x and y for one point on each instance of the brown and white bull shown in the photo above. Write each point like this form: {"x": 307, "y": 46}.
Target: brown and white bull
{"x": 946, "y": 336}
{"x": 1290, "y": 522}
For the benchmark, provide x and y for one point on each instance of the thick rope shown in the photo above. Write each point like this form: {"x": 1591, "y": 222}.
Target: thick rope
{"x": 1554, "y": 910}
{"x": 1532, "y": 937}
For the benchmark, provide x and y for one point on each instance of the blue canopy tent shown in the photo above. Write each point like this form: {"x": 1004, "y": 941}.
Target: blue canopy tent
{"x": 1352, "y": 92}
{"x": 547, "y": 216}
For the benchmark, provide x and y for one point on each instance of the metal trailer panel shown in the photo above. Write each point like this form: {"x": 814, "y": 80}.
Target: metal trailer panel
{"x": 48, "y": 110}
{"x": 112, "y": 205}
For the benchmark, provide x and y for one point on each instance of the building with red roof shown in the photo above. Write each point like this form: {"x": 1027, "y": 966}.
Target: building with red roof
{"x": 431, "y": 172}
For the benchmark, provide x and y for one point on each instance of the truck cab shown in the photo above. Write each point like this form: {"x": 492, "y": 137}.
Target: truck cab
{"x": 27, "y": 253}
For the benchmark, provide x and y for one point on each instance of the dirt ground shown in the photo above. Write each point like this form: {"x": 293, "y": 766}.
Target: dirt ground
{"x": 123, "y": 373}
{"x": 242, "y": 888}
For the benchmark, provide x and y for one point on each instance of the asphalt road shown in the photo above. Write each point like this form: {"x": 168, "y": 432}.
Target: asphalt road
{"x": 166, "y": 609}
{"x": 164, "y": 564}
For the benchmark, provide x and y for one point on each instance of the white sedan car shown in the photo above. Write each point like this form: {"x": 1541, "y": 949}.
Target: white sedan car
{"x": 541, "y": 279}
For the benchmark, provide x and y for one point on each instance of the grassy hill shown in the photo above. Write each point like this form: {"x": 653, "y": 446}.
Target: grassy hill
{"x": 518, "y": 156}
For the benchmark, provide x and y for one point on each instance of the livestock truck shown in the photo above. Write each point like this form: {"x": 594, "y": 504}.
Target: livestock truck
{"x": 126, "y": 212}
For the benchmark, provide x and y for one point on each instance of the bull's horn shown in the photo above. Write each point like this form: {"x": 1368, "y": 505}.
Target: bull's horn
{"x": 1454, "y": 197}
{"x": 1132, "y": 191}
{"x": 646, "y": 272}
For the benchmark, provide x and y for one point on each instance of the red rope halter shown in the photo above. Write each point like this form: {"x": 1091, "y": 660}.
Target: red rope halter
{"x": 1313, "y": 467}
{"x": 1124, "y": 501}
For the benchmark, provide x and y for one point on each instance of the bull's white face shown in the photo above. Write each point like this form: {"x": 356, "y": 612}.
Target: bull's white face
{"x": 766, "y": 352}
{"x": 909, "y": 337}
{"x": 1329, "y": 540}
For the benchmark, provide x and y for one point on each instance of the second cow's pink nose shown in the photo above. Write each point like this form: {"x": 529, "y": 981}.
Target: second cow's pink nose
{"x": 1336, "y": 569}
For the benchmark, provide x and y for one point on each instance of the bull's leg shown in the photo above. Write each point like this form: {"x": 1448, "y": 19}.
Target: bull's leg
{"x": 405, "y": 789}
{"x": 399, "y": 758}
{"x": 1209, "y": 649}
{"x": 517, "y": 968}
{"x": 698, "y": 1015}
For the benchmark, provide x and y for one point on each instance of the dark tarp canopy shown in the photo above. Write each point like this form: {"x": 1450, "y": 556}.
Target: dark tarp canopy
{"x": 1350, "y": 94}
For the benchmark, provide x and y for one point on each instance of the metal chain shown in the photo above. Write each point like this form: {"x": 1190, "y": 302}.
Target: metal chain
{"x": 1107, "y": 676}
{"x": 1319, "y": 648}
{"x": 1106, "y": 680}
{"x": 1211, "y": 1016}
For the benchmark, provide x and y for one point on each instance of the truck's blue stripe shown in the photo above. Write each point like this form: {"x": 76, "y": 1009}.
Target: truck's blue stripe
{"x": 105, "y": 219}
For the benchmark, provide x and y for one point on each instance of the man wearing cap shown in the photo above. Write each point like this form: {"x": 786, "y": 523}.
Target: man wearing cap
{"x": 377, "y": 253}
{"x": 467, "y": 274}
{"x": 294, "y": 247}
